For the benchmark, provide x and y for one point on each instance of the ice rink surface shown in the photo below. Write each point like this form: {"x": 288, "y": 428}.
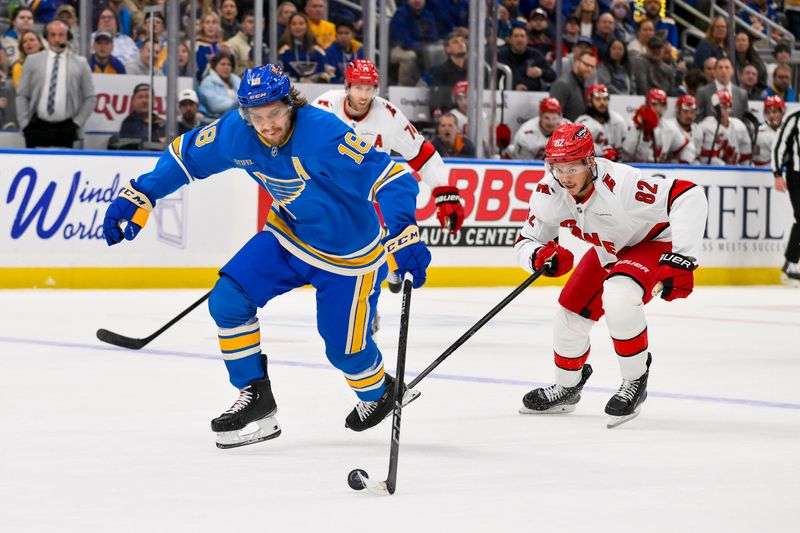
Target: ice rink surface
{"x": 96, "y": 438}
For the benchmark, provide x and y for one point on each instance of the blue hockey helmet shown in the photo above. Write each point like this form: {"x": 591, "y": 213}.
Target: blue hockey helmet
{"x": 263, "y": 85}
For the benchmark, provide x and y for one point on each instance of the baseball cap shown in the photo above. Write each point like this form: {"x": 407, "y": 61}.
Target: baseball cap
{"x": 584, "y": 40}
{"x": 188, "y": 94}
{"x": 103, "y": 35}
{"x": 538, "y": 12}
{"x": 573, "y": 19}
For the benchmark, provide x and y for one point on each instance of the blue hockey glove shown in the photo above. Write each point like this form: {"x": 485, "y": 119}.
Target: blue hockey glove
{"x": 131, "y": 207}
{"x": 407, "y": 253}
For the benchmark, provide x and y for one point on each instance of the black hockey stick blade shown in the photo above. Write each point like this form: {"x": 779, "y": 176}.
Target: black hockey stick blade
{"x": 137, "y": 344}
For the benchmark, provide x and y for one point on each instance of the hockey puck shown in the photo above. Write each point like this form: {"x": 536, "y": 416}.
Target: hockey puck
{"x": 354, "y": 480}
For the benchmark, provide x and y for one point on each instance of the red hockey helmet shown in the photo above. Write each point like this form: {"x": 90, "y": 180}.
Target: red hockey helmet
{"x": 722, "y": 98}
{"x": 549, "y": 105}
{"x": 687, "y": 102}
{"x": 656, "y": 95}
{"x": 774, "y": 101}
{"x": 569, "y": 142}
{"x": 595, "y": 89}
{"x": 460, "y": 88}
{"x": 362, "y": 72}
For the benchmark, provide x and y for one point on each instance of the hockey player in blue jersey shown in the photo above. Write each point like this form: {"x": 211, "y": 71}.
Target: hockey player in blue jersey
{"x": 322, "y": 231}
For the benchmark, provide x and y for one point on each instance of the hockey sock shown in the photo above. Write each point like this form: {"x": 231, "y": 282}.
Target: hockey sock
{"x": 570, "y": 346}
{"x": 622, "y": 302}
{"x": 241, "y": 349}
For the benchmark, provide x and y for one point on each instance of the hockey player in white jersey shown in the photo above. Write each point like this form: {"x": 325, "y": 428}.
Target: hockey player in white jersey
{"x": 651, "y": 139}
{"x": 646, "y": 234}
{"x": 774, "y": 109}
{"x": 684, "y": 121}
{"x": 725, "y": 138}
{"x": 388, "y": 130}
{"x": 460, "y": 89}
{"x": 607, "y": 127}
{"x": 532, "y": 136}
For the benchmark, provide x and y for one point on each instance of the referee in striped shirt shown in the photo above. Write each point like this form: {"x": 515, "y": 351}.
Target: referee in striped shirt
{"x": 786, "y": 155}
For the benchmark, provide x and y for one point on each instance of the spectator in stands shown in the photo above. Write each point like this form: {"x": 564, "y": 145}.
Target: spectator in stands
{"x": 451, "y": 15}
{"x": 792, "y": 11}
{"x": 723, "y": 76}
{"x": 183, "y": 59}
{"x": 615, "y": 69}
{"x": 8, "y": 112}
{"x": 344, "y": 50}
{"x": 141, "y": 66}
{"x": 123, "y": 14}
{"x": 66, "y": 14}
{"x": 126, "y": 50}
{"x": 159, "y": 36}
{"x": 746, "y": 55}
{"x": 530, "y": 70}
{"x": 241, "y": 43}
{"x": 503, "y": 23}
{"x": 442, "y": 78}
{"x": 584, "y": 44}
{"x": 137, "y": 124}
{"x": 645, "y": 31}
{"x": 572, "y": 31}
{"x": 229, "y": 19}
{"x": 539, "y": 32}
{"x": 549, "y": 7}
{"x": 748, "y": 80}
{"x": 21, "y": 22}
{"x": 218, "y": 88}
{"x": 782, "y": 54}
{"x": 188, "y": 107}
{"x": 323, "y": 30}
{"x": 603, "y": 33}
{"x": 298, "y": 52}
{"x": 623, "y": 26}
{"x": 665, "y": 26}
{"x": 285, "y": 10}
{"x": 708, "y": 68}
{"x": 569, "y": 88}
{"x": 413, "y": 27}
{"x": 207, "y": 42}
{"x": 715, "y": 42}
{"x": 587, "y": 12}
{"x": 650, "y": 71}
{"x": 677, "y": 65}
{"x": 56, "y": 94}
{"x": 449, "y": 142}
{"x": 694, "y": 80}
{"x": 102, "y": 61}
{"x": 30, "y": 43}
{"x": 766, "y": 8}
{"x": 782, "y": 84}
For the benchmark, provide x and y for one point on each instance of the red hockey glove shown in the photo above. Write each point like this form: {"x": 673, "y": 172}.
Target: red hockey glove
{"x": 646, "y": 120}
{"x": 610, "y": 153}
{"x": 676, "y": 274}
{"x": 449, "y": 210}
{"x": 560, "y": 264}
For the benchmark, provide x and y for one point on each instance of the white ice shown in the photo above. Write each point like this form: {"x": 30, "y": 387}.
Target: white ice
{"x": 100, "y": 439}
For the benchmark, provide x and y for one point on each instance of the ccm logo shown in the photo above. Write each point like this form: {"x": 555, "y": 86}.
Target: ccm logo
{"x": 409, "y": 236}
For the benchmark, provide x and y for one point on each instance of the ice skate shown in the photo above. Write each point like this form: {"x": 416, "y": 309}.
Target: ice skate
{"x": 256, "y": 404}
{"x": 368, "y": 414}
{"x": 790, "y": 274}
{"x": 627, "y": 402}
{"x": 555, "y": 398}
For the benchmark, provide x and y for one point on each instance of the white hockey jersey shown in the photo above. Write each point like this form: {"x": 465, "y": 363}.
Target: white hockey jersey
{"x": 529, "y": 142}
{"x": 762, "y": 153}
{"x": 692, "y": 150}
{"x": 669, "y": 143}
{"x": 731, "y": 146}
{"x": 608, "y": 135}
{"x": 623, "y": 210}
{"x": 388, "y": 130}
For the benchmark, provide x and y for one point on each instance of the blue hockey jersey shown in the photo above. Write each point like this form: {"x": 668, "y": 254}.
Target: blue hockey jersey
{"x": 323, "y": 180}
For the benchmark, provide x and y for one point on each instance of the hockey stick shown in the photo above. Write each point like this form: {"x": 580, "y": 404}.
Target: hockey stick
{"x": 480, "y": 323}
{"x": 718, "y": 115}
{"x": 358, "y": 479}
{"x": 137, "y": 344}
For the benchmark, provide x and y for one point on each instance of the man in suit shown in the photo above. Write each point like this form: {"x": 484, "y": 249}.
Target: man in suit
{"x": 723, "y": 74}
{"x": 55, "y": 95}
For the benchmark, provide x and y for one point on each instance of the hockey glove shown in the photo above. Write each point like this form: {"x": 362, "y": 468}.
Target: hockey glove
{"x": 676, "y": 274}
{"x": 407, "y": 253}
{"x": 132, "y": 208}
{"x": 560, "y": 264}
{"x": 610, "y": 153}
{"x": 449, "y": 210}
{"x": 646, "y": 120}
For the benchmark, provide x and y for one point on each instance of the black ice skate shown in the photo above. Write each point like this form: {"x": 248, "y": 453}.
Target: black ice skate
{"x": 255, "y": 404}
{"x": 555, "y": 398}
{"x": 627, "y": 402}
{"x": 368, "y": 414}
{"x": 790, "y": 274}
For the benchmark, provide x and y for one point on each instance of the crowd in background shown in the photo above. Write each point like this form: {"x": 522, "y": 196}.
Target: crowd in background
{"x": 625, "y": 47}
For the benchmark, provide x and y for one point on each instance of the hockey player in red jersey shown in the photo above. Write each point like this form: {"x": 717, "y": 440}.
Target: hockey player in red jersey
{"x": 684, "y": 122}
{"x": 608, "y": 128}
{"x": 651, "y": 139}
{"x": 645, "y": 232}
{"x": 532, "y": 136}
{"x": 725, "y": 138}
{"x": 388, "y": 130}
{"x": 774, "y": 109}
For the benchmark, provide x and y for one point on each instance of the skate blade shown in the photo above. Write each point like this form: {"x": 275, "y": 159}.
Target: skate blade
{"x": 789, "y": 282}
{"x": 375, "y": 487}
{"x": 614, "y": 421}
{"x": 268, "y": 428}
{"x": 558, "y": 409}
{"x": 410, "y": 395}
